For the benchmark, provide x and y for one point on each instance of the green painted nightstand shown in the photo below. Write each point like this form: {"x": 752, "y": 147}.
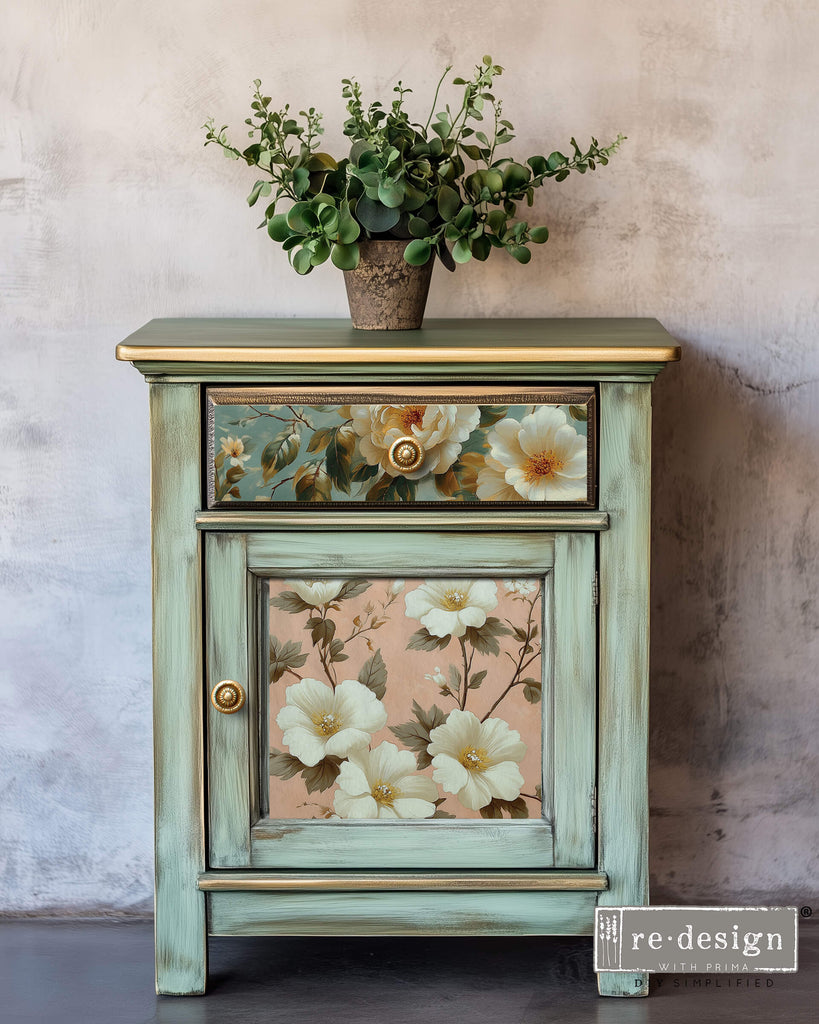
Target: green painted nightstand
{"x": 400, "y": 628}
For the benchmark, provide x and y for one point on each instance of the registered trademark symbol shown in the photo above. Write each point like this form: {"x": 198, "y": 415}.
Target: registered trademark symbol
{"x": 805, "y": 912}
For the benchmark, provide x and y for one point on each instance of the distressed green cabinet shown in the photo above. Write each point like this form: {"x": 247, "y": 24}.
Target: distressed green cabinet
{"x": 400, "y": 628}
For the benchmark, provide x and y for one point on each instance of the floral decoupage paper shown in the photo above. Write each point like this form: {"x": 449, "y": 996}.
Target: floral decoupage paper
{"x": 416, "y": 698}
{"x": 473, "y": 453}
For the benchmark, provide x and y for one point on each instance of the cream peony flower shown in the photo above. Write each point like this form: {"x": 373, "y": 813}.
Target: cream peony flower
{"x": 318, "y": 721}
{"x": 448, "y": 607}
{"x": 234, "y": 449}
{"x": 477, "y": 760}
{"x": 543, "y": 456}
{"x": 441, "y": 429}
{"x": 380, "y": 784}
{"x": 492, "y": 485}
{"x": 316, "y": 592}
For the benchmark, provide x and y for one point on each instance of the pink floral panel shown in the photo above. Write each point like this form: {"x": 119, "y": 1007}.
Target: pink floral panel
{"x": 416, "y": 698}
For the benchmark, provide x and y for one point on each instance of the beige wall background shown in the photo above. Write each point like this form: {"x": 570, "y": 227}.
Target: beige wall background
{"x": 111, "y": 213}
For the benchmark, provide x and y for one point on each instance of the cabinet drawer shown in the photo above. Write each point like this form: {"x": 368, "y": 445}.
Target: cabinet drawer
{"x": 421, "y": 446}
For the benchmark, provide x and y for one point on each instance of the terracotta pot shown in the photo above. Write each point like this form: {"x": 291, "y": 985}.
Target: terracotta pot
{"x": 385, "y": 293}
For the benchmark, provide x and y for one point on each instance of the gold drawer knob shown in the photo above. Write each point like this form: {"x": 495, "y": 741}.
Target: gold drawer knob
{"x": 406, "y": 454}
{"x": 227, "y": 697}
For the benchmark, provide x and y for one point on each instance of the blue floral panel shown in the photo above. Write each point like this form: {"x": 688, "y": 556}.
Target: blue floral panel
{"x": 277, "y": 447}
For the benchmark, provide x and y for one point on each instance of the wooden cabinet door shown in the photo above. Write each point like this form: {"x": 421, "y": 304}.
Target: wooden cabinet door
{"x": 415, "y": 699}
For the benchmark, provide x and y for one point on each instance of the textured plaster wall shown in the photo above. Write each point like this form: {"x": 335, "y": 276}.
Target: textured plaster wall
{"x": 111, "y": 213}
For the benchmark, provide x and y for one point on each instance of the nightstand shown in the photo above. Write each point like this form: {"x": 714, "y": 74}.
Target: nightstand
{"x": 400, "y": 628}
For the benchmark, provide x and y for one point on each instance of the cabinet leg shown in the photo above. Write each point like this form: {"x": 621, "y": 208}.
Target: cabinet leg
{"x": 181, "y": 947}
{"x": 615, "y": 983}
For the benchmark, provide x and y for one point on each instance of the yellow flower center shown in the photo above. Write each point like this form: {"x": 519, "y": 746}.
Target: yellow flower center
{"x": 475, "y": 759}
{"x": 384, "y": 793}
{"x": 540, "y": 466}
{"x": 454, "y": 600}
{"x": 236, "y": 449}
{"x": 412, "y": 416}
{"x": 327, "y": 723}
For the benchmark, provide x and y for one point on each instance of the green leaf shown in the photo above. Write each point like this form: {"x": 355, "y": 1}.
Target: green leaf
{"x": 283, "y": 765}
{"x": 556, "y": 160}
{"x": 278, "y": 228}
{"x": 284, "y": 656}
{"x": 322, "y": 630}
{"x": 312, "y": 483}
{"x": 520, "y": 253}
{"x": 515, "y": 176}
{"x": 302, "y": 261}
{"x": 289, "y": 601}
{"x": 514, "y": 808}
{"x": 280, "y": 452}
{"x": 449, "y": 202}
{"x": 301, "y": 181}
{"x": 492, "y": 414}
{"x": 339, "y": 456}
{"x": 481, "y": 248}
{"x": 423, "y": 640}
{"x": 321, "y": 776}
{"x": 261, "y": 188}
{"x": 376, "y": 217}
{"x": 476, "y": 679}
{"x": 579, "y": 412}
{"x": 538, "y": 164}
{"x": 362, "y": 471}
{"x": 373, "y": 675}
{"x": 353, "y": 588}
{"x": 348, "y": 229}
{"x": 415, "y": 735}
{"x": 418, "y": 227}
{"x": 391, "y": 194}
{"x": 418, "y": 252}
{"x": 482, "y": 638}
{"x": 532, "y": 689}
{"x": 345, "y": 257}
{"x": 320, "y": 439}
{"x": 461, "y": 251}
{"x": 539, "y": 235}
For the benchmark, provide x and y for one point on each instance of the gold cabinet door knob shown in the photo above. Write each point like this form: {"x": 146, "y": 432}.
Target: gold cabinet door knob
{"x": 228, "y": 697}
{"x": 406, "y": 454}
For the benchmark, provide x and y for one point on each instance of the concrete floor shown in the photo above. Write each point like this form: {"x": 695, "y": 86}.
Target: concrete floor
{"x": 102, "y": 973}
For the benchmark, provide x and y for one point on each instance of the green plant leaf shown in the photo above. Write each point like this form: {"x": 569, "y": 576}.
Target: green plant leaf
{"x": 278, "y": 228}
{"x": 338, "y": 457}
{"x": 461, "y": 251}
{"x": 302, "y": 261}
{"x": 376, "y": 217}
{"x": 418, "y": 252}
{"x": 532, "y": 689}
{"x": 353, "y": 588}
{"x": 301, "y": 219}
{"x": 514, "y": 808}
{"x": 280, "y": 452}
{"x": 321, "y": 776}
{"x": 423, "y": 640}
{"x": 539, "y": 235}
{"x": 449, "y": 202}
{"x": 284, "y": 656}
{"x": 345, "y": 257}
{"x": 373, "y": 675}
{"x": 290, "y": 602}
{"x": 283, "y": 765}
{"x": 391, "y": 194}
{"x": 520, "y": 253}
{"x": 579, "y": 412}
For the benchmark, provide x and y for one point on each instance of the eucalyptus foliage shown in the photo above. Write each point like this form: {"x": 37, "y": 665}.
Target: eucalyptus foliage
{"x": 442, "y": 185}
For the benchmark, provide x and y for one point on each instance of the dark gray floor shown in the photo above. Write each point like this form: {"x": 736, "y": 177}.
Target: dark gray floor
{"x": 93, "y": 973}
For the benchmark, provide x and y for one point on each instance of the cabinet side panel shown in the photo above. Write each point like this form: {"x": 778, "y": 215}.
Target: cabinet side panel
{"x": 625, "y": 438}
{"x": 180, "y": 929}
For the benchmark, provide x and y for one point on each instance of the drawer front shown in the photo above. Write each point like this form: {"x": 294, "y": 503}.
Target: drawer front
{"x": 423, "y": 446}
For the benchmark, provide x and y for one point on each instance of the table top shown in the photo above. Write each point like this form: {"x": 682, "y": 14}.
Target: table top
{"x": 453, "y": 342}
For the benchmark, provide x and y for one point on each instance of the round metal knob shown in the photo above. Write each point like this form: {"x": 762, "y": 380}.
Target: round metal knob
{"x": 406, "y": 454}
{"x": 228, "y": 697}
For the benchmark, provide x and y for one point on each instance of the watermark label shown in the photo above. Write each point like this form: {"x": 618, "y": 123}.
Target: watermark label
{"x": 695, "y": 940}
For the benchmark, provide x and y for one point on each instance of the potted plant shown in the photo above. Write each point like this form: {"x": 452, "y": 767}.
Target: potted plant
{"x": 405, "y": 194}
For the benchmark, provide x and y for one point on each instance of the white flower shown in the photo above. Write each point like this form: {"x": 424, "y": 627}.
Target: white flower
{"x": 521, "y": 586}
{"x": 436, "y": 677}
{"x": 234, "y": 449}
{"x": 441, "y": 429}
{"x": 380, "y": 784}
{"x": 492, "y": 485}
{"x": 397, "y": 586}
{"x": 543, "y": 456}
{"x": 476, "y": 760}
{"x": 317, "y": 592}
{"x": 447, "y": 607}
{"x": 318, "y": 721}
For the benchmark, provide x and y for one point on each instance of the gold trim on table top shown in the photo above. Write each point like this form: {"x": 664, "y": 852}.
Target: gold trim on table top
{"x": 410, "y": 355}
{"x": 498, "y": 881}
